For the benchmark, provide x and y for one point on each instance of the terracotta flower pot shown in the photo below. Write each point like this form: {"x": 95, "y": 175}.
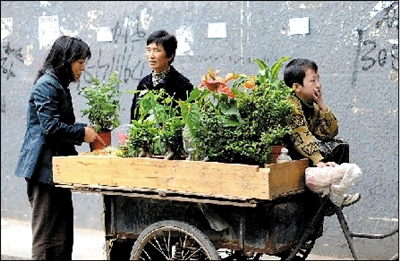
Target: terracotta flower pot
{"x": 106, "y": 136}
{"x": 276, "y": 151}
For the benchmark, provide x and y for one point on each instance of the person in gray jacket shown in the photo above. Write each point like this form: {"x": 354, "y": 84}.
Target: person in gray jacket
{"x": 52, "y": 131}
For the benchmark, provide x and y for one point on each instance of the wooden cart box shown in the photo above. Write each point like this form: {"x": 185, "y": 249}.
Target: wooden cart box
{"x": 180, "y": 176}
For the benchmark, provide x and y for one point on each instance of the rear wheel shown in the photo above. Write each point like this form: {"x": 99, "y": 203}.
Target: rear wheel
{"x": 173, "y": 240}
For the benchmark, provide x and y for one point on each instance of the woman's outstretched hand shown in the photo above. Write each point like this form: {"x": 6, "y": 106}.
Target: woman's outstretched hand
{"x": 91, "y": 135}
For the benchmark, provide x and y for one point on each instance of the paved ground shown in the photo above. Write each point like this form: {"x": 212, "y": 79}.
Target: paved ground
{"x": 16, "y": 240}
{"x": 89, "y": 244}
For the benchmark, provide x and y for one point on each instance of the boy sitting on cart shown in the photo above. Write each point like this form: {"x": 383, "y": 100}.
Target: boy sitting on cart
{"x": 314, "y": 124}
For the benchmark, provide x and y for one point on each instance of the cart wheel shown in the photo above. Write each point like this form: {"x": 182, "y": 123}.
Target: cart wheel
{"x": 173, "y": 240}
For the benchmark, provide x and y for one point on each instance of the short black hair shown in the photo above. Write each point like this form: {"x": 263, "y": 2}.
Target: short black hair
{"x": 63, "y": 53}
{"x": 167, "y": 40}
{"x": 295, "y": 71}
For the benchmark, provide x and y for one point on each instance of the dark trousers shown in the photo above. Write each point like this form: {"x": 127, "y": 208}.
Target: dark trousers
{"x": 52, "y": 221}
{"x": 336, "y": 150}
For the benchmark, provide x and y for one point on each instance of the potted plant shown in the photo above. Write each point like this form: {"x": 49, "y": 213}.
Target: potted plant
{"x": 278, "y": 108}
{"x": 158, "y": 131}
{"x": 238, "y": 124}
{"x": 103, "y": 106}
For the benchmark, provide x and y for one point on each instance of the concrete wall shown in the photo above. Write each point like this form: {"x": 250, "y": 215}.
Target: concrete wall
{"x": 355, "y": 45}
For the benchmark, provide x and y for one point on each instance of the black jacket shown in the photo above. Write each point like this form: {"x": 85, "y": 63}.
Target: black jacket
{"x": 175, "y": 84}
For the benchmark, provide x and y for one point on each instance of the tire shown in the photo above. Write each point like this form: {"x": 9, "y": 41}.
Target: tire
{"x": 173, "y": 240}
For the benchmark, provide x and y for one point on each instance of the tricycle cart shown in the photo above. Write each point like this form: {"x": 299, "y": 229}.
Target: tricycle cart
{"x": 181, "y": 210}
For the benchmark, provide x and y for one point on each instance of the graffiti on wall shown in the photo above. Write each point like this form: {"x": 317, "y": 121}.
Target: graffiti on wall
{"x": 127, "y": 67}
{"x": 128, "y": 43}
{"x": 7, "y": 61}
{"x": 129, "y": 32}
{"x": 379, "y": 43}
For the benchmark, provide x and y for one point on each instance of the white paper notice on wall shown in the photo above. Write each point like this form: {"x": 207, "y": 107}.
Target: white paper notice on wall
{"x": 217, "y": 30}
{"x": 6, "y": 27}
{"x": 104, "y": 34}
{"x": 48, "y": 31}
{"x": 184, "y": 35}
{"x": 299, "y": 25}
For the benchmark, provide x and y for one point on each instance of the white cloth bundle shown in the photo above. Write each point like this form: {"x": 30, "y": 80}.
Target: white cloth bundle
{"x": 332, "y": 181}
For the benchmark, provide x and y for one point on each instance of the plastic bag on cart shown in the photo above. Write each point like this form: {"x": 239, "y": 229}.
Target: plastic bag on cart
{"x": 332, "y": 181}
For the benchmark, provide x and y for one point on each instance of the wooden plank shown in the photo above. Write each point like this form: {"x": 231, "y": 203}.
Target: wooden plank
{"x": 287, "y": 177}
{"x": 180, "y": 198}
{"x": 180, "y": 176}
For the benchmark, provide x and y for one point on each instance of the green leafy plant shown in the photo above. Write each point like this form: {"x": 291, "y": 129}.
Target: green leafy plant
{"x": 103, "y": 103}
{"x": 141, "y": 138}
{"x": 159, "y": 127}
{"x": 215, "y": 96}
{"x": 241, "y": 124}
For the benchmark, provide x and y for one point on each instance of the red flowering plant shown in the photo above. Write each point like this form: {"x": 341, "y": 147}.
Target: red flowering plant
{"x": 213, "y": 96}
{"x": 122, "y": 136}
{"x": 212, "y": 102}
{"x": 237, "y": 123}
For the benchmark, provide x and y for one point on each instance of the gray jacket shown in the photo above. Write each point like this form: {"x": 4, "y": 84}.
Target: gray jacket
{"x": 51, "y": 130}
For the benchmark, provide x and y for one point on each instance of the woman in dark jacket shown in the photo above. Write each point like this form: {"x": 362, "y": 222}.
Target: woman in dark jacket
{"x": 52, "y": 131}
{"x": 160, "y": 53}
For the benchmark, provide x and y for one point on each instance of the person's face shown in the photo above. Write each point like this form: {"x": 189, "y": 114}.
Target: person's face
{"x": 77, "y": 68}
{"x": 310, "y": 85}
{"x": 157, "y": 57}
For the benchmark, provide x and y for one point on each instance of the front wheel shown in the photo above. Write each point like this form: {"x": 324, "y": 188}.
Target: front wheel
{"x": 173, "y": 240}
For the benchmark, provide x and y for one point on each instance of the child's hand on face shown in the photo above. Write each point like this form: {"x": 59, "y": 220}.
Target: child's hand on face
{"x": 318, "y": 99}
{"x": 317, "y": 94}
